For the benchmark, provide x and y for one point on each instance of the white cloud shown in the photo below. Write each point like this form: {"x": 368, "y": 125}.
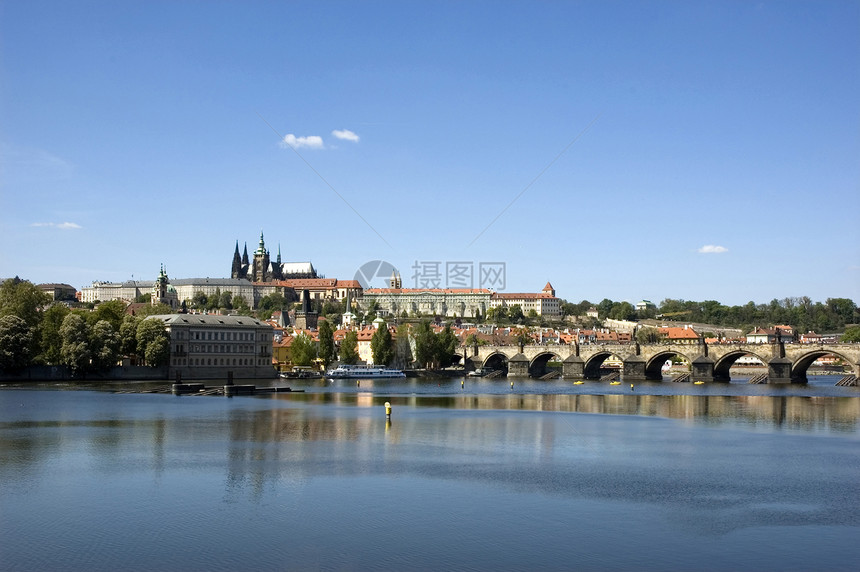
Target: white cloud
{"x": 311, "y": 141}
{"x": 712, "y": 249}
{"x": 59, "y": 225}
{"x": 346, "y": 135}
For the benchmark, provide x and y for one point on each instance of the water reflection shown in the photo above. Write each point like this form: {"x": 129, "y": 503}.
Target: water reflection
{"x": 233, "y": 477}
{"x": 796, "y": 412}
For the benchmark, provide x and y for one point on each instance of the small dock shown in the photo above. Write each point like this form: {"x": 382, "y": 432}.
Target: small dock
{"x": 228, "y": 390}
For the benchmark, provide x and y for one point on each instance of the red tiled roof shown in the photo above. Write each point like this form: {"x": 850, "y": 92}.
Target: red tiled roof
{"x": 521, "y": 295}
{"x": 428, "y": 290}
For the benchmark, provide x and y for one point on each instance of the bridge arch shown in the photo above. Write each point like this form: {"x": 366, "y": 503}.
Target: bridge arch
{"x": 801, "y": 364}
{"x": 725, "y": 363}
{"x": 591, "y": 370}
{"x": 496, "y": 360}
{"x": 654, "y": 366}
{"x": 537, "y": 365}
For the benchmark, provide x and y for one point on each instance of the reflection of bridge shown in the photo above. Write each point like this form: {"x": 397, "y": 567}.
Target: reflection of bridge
{"x": 786, "y": 363}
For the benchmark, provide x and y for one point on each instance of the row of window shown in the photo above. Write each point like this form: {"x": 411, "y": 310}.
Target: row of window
{"x": 217, "y": 361}
{"x": 225, "y": 336}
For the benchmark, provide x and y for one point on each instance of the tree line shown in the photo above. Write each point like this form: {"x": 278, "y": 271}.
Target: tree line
{"x": 431, "y": 350}
{"x": 832, "y": 315}
{"x": 35, "y": 331}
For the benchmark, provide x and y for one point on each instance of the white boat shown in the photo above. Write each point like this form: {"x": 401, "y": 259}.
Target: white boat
{"x": 364, "y": 372}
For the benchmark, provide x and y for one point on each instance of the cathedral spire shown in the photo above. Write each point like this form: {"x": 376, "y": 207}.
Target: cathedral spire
{"x": 236, "y": 269}
{"x": 261, "y": 249}
{"x": 245, "y": 255}
{"x": 279, "y": 253}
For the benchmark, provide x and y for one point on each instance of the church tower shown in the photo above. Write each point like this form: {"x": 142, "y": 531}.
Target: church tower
{"x": 394, "y": 282}
{"x": 236, "y": 271}
{"x": 260, "y": 272}
{"x": 163, "y": 292}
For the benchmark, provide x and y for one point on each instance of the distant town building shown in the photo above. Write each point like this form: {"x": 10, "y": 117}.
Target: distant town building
{"x": 127, "y": 291}
{"x": 681, "y": 335}
{"x": 783, "y": 334}
{"x": 544, "y": 303}
{"x": 810, "y": 338}
{"x": 59, "y": 292}
{"x": 645, "y": 305}
{"x": 319, "y": 288}
{"x": 209, "y": 346}
{"x": 447, "y": 302}
{"x": 456, "y": 302}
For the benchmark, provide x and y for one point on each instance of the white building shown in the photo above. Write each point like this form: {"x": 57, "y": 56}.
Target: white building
{"x": 544, "y": 303}
{"x": 447, "y": 302}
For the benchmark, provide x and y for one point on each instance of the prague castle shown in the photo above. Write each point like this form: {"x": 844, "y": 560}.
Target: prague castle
{"x": 262, "y": 269}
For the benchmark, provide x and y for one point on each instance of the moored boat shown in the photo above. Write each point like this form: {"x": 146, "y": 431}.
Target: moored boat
{"x": 364, "y": 372}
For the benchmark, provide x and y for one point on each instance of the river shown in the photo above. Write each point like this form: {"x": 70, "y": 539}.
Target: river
{"x": 466, "y": 475}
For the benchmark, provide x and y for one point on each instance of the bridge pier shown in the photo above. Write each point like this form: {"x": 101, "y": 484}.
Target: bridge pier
{"x": 634, "y": 369}
{"x": 518, "y": 366}
{"x": 573, "y": 367}
{"x": 702, "y": 369}
{"x": 779, "y": 370}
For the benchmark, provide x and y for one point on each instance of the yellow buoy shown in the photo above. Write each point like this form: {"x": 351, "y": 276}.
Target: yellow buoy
{"x": 388, "y": 409}
{"x": 698, "y": 382}
{"x": 578, "y": 382}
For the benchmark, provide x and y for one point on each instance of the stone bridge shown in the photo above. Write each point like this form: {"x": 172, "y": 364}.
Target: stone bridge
{"x": 786, "y": 363}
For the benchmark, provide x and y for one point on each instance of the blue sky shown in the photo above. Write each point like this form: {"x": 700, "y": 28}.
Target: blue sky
{"x": 695, "y": 150}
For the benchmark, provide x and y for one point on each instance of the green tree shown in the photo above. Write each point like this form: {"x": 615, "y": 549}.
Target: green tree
{"x": 23, "y": 299}
{"x": 157, "y": 352}
{"x": 349, "y": 348}
{"x": 226, "y": 300}
{"x": 153, "y": 343}
{"x": 199, "y": 300}
{"x": 128, "y": 336}
{"x": 272, "y": 302}
{"x": 852, "y": 334}
{"x": 302, "y": 350}
{"x": 622, "y": 311}
{"x": 214, "y": 301}
{"x": 75, "y": 349}
{"x": 402, "y": 347}
{"x": 16, "y": 340}
{"x": 425, "y": 345}
{"x": 604, "y": 307}
{"x": 156, "y": 310}
{"x": 104, "y": 345}
{"x": 326, "y": 345}
{"x": 382, "y": 346}
{"x": 113, "y": 312}
{"x": 49, "y": 334}
{"x": 240, "y": 304}
{"x": 516, "y": 314}
{"x": 647, "y": 335}
{"x": 446, "y": 347}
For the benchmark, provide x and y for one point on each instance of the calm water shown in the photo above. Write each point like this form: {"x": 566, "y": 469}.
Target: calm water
{"x": 482, "y": 477}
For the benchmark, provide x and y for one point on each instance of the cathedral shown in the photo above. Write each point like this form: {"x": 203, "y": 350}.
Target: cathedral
{"x": 262, "y": 269}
